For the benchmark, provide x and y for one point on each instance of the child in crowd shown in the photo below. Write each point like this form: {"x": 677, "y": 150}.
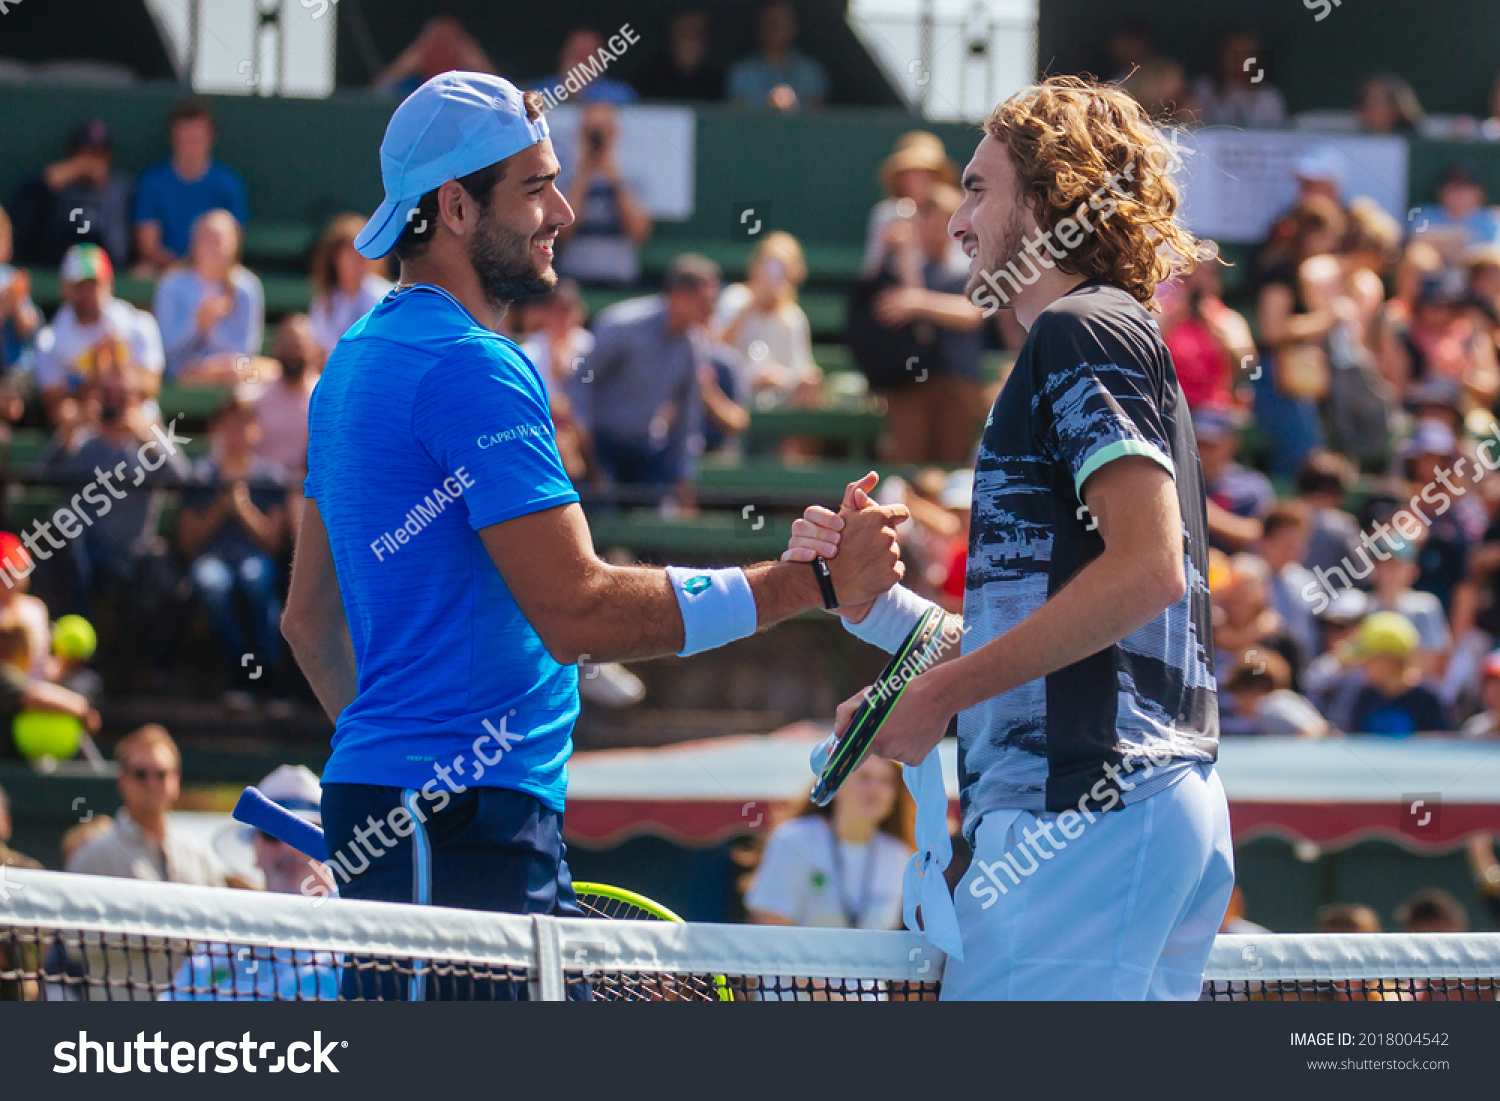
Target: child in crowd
{"x": 1393, "y": 577}
{"x": 1397, "y": 699}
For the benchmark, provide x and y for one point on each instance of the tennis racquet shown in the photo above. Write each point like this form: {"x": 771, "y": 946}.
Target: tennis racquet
{"x": 917, "y": 654}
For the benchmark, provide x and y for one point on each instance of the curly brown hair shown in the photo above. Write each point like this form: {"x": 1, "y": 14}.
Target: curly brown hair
{"x": 1072, "y": 141}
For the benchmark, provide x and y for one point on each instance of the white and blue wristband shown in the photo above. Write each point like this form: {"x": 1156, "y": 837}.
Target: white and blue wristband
{"x": 717, "y": 607}
{"x": 891, "y": 618}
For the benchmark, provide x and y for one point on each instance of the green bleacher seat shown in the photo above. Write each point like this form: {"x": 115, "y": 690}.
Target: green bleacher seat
{"x": 194, "y": 404}
{"x": 817, "y": 478}
{"x": 279, "y": 244}
{"x": 27, "y": 446}
{"x": 717, "y": 535}
{"x": 826, "y": 262}
{"x": 857, "y": 427}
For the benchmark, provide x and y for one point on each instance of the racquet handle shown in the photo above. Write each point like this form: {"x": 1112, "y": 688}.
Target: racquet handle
{"x": 258, "y": 810}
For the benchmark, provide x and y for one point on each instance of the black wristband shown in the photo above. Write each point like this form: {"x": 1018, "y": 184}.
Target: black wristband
{"x": 825, "y": 583}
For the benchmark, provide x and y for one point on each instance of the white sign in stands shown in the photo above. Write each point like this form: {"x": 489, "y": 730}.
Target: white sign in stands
{"x": 1236, "y": 182}
{"x": 655, "y": 151}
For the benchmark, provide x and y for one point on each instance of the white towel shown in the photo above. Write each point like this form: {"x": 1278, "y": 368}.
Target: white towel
{"x": 923, "y": 883}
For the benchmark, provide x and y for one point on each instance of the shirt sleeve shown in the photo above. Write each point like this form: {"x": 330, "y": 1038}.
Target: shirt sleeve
{"x": 482, "y": 416}
{"x": 1095, "y": 403}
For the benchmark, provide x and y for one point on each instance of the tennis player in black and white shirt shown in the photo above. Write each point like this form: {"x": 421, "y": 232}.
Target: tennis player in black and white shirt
{"x": 1084, "y": 687}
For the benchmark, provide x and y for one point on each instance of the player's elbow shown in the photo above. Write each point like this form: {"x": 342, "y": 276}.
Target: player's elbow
{"x": 565, "y": 644}
{"x": 564, "y": 631}
{"x": 1170, "y": 582}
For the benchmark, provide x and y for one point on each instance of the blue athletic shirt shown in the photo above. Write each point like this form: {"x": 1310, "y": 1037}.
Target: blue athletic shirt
{"x": 424, "y": 428}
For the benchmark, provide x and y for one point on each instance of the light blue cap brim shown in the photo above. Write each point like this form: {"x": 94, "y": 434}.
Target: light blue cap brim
{"x": 385, "y": 227}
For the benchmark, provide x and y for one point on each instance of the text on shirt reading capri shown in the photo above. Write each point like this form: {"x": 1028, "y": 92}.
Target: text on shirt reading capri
{"x": 519, "y": 432}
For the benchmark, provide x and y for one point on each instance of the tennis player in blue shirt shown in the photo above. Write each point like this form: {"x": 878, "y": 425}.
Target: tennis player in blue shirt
{"x": 445, "y": 582}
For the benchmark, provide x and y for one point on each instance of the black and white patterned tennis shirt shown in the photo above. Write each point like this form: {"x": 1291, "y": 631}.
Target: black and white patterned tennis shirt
{"x": 1093, "y": 383}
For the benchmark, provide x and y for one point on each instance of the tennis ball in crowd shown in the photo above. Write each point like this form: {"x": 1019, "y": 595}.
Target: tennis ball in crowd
{"x": 47, "y": 734}
{"x": 73, "y": 637}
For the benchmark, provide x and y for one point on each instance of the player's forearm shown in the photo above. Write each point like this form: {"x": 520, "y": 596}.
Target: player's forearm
{"x": 1107, "y": 600}
{"x": 633, "y": 613}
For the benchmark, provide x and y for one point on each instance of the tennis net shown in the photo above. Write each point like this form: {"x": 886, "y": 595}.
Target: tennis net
{"x": 67, "y": 937}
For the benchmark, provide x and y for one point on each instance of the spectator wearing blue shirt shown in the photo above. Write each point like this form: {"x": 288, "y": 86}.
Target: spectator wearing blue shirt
{"x": 581, "y": 58}
{"x": 170, "y": 196}
{"x": 445, "y": 584}
{"x": 1238, "y": 498}
{"x": 779, "y": 77}
{"x": 212, "y": 311}
{"x": 1463, "y": 215}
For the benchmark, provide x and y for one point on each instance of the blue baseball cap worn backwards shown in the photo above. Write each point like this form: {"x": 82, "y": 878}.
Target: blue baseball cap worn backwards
{"x": 454, "y": 124}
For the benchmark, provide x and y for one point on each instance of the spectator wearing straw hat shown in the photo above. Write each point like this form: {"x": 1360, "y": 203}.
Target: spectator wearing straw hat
{"x": 143, "y": 843}
{"x": 917, "y": 163}
{"x": 1397, "y": 699}
{"x": 223, "y": 973}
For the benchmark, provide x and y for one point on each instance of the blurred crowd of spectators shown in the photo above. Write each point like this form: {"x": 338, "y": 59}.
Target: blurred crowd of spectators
{"x": 778, "y": 76}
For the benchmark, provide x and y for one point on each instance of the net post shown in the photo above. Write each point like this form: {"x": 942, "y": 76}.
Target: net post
{"x": 547, "y": 986}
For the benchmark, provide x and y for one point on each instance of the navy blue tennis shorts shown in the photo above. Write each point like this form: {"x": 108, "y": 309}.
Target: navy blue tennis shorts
{"x": 483, "y": 849}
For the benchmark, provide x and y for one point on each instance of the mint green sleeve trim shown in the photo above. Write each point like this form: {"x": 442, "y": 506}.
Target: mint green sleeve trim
{"x": 1118, "y": 450}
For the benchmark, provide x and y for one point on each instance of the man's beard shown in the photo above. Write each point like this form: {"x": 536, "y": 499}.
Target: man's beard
{"x": 1012, "y": 244}
{"x": 502, "y": 260}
